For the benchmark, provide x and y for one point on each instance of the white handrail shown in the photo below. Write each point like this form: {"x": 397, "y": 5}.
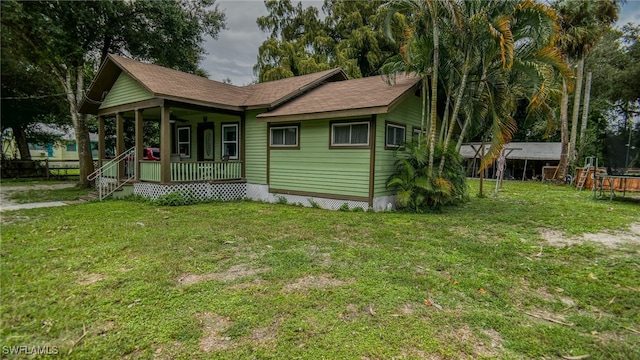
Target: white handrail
{"x": 106, "y": 182}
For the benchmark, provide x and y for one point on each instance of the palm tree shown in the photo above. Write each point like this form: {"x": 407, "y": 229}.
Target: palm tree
{"x": 582, "y": 24}
{"x": 425, "y": 18}
{"x": 495, "y": 52}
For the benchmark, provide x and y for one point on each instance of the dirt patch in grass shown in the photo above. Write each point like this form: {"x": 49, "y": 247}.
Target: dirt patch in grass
{"x": 168, "y": 351}
{"x": 214, "y": 339}
{"x": 265, "y": 336}
{"x": 89, "y": 279}
{"x": 544, "y": 294}
{"x": 479, "y": 347}
{"x": 233, "y": 273}
{"x": 313, "y": 282}
{"x": 213, "y": 326}
{"x": 495, "y": 337}
{"x": 612, "y": 240}
{"x": 255, "y": 283}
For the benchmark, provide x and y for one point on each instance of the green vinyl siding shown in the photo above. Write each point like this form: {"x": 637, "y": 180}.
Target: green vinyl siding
{"x": 407, "y": 113}
{"x": 125, "y": 90}
{"x": 255, "y": 149}
{"x": 317, "y": 169}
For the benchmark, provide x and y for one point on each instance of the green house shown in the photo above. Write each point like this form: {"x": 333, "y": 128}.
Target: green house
{"x": 313, "y": 139}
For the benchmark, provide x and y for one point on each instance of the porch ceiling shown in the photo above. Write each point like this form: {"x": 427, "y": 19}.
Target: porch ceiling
{"x": 177, "y": 113}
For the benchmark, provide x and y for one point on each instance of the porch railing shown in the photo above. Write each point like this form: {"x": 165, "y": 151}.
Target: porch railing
{"x": 206, "y": 170}
{"x": 150, "y": 171}
{"x": 193, "y": 171}
{"x": 106, "y": 177}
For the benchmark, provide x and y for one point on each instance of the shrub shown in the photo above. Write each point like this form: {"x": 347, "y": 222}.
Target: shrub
{"x": 420, "y": 188}
{"x": 177, "y": 198}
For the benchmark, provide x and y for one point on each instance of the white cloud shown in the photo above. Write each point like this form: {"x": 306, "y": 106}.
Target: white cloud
{"x": 630, "y": 13}
{"x": 235, "y": 52}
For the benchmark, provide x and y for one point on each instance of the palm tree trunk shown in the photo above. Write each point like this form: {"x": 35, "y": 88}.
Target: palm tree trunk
{"x": 575, "y": 116}
{"x": 424, "y": 105}
{"x": 564, "y": 132}
{"x": 456, "y": 109}
{"x": 585, "y": 115}
{"x": 434, "y": 92}
{"x": 445, "y": 116}
{"x": 467, "y": 122}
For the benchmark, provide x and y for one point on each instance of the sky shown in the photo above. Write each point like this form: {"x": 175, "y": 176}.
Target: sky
{"x": 235, "y": 52}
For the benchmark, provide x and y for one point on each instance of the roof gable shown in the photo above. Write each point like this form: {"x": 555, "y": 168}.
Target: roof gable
{"x": 165, "y": 83}
{"x": 125, "y": 90}
{"x": 364, "y": 96}
{"x": 273, "y": 93}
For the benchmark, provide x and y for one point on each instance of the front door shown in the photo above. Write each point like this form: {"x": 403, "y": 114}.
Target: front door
{"x": 206, "y": 142}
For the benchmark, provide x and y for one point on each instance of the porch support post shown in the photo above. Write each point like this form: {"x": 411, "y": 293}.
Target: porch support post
{"x": 165, "y": 145}
{"x": 139, "y": 141}
{"x": 524, "y": 173}
{"x": 101, "y": 142}
{"x": 120, "y": 143}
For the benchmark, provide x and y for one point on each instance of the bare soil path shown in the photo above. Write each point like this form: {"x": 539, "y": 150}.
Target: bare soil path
{"x": 7, "y": 204}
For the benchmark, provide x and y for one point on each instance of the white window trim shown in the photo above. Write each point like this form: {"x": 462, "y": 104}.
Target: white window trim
{"x": 351, "y": 124}
{"x": 237, "y": 141}
{"x": 188, "y": 129}
{"x": 297, "y": 127}
{"x": 386, "y": 133}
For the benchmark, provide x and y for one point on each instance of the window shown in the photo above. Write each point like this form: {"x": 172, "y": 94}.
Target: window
{"x": 350, "y": 134}
{"x": 285, "y": 136}
{"x": 71, "y": 146}
{"x": 230, "y": 141}
{"x": 184, "y": 141}
{"x": 395, "y": 136}
{"x": 416, "y": 134}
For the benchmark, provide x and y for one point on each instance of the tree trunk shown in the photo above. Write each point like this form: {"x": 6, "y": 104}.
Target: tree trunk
{"x": 20, "y": 138}
{"x": 456, "y": 109}
{"x": 424, "y": 105}
{"x": 467, "y": 122}
{"x": 79, "y": 121}
{"x": 585, "y": 115}
{"x": 434, "y": 93}
{"x": 575, "y": 116}
{"x": 564, "y": 132}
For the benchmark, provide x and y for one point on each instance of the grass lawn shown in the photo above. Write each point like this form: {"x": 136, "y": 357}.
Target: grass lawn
{"x": 120, "y": 279}
{"x": 36, "y": 181}
{"x": 44, "y": 195}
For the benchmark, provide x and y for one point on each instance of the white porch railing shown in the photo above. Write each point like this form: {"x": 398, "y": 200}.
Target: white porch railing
{"x": 150, "y": 171}
{"x": 192, "y": 171}
{"x": 206, "y": 170}
{"x": 106, "y": 177}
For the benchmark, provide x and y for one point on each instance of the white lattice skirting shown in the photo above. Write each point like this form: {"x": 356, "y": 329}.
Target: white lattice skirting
{"x": 203, "y": 191}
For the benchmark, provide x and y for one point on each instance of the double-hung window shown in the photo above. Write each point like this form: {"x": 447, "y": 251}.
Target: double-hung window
{"x": 184, "y": 141}
{"x": 415, "y": 135}
{"x": 395, "y": 136}
{"x": 285, "y": 136}
{"x": 230, "y": 141}
{"x": 350, "y": 134}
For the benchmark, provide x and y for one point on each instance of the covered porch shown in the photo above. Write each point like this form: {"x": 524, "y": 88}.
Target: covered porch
{"x": 194, "y": 143}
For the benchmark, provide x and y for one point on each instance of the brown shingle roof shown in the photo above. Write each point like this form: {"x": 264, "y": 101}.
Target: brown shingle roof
{"x": 372, "y": 95}
{"x": 171, "y": 83}
{"x": 176, "y": 85}
{"x": 273, "y": 92}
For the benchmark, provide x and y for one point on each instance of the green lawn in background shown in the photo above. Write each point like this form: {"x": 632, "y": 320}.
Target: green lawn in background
{"x": 44, "y": 195}
{"x": 120, "y": 279}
